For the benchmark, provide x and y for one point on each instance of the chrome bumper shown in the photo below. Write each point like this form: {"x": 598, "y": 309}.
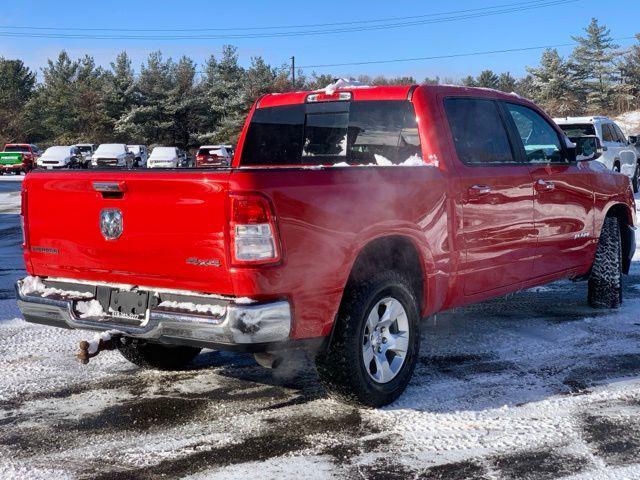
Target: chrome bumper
{"x": 240, "y": 325}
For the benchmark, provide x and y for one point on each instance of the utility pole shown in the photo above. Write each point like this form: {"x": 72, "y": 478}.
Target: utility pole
{"x": 293, "y": 72}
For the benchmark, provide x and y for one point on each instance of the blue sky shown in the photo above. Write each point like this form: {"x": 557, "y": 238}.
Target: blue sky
{"x": 543, "y": 26}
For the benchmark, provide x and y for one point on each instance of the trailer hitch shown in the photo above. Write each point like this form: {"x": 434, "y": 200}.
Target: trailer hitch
{"x": 101, "y": 341}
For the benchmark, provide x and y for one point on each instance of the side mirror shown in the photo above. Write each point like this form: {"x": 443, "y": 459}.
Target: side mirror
{"x": 588, "y": 148}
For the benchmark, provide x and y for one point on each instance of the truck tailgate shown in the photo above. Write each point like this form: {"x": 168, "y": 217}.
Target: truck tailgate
{"x": 174, "y": 226}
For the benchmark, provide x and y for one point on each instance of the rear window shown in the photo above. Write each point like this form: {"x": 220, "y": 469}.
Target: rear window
{"x": 478, "y": 131}
{"x": 356, "y": 133}
{"x": 16, "y": 148}
{"x": 578, "y": 130}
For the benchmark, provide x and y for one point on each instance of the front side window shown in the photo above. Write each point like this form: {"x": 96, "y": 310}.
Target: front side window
{"x": 478, "y": 132}
{"x": 540, "y": 140}
{"x": 356, "y": 133}
{"x": 619, "y": 135}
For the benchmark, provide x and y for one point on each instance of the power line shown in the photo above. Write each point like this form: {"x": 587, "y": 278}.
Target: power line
{"x": 453, "y": 55}
{"x": 281, "y": 27}
{"x": 514, "y": 8}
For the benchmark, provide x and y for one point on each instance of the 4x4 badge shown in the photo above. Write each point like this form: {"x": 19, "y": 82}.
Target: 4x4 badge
{"x": 111, "y": 223}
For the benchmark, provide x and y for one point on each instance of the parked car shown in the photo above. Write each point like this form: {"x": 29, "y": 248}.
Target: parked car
{"x": 214, "y": 156}
{"x": 347, "y": 216}
{"x": 18, "y": 157}
{"x": 165, "y": 157}
{"x": 86, "y": 150}
{"x": 61, "y": 157}
{"x": 114, "y": 155}
{"x": 618, "y": 155}
{"x": 140, "y": 153}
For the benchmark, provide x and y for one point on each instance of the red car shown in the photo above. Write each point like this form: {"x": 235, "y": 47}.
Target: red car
{"x": 19, "y": 157}
{"x": 345, "y": 218}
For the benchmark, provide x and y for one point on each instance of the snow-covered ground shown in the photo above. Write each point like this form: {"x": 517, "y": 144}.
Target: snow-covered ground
{"x": 629, "y": 122}
{"x": 533, "y": 386}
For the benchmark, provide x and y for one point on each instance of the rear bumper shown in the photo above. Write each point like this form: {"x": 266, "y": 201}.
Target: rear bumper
{"x": 13, "y": 167}
{"x": 240, "y": 325}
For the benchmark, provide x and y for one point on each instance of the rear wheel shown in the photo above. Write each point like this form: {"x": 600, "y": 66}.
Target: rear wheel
{"x": 156, "y": 356}
{"x": 373, "y": 350}
{"x": 605, "y": 281}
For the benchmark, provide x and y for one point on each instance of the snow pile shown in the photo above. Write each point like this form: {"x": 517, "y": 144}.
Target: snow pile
{"x": 342, "y": 83}
{"x": 629, "y": 122}
{"x": 32, "y": 285}
{"x": 94, "y": 343}
{"x": 382, "y": 161}
{"x": 215, "y": 310}
{"x": 92, "y": 308}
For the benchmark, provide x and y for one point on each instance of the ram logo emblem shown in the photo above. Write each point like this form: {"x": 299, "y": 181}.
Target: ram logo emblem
{"x": 111, "y": 223}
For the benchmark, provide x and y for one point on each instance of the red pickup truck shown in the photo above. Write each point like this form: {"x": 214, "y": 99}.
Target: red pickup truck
{"x": 19, "y": 158}
{"x": 345, "y": 217}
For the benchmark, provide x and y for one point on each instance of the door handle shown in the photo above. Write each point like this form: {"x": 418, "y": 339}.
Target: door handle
{"x": 478, "y": 190}
{"x": 544, "y": 186}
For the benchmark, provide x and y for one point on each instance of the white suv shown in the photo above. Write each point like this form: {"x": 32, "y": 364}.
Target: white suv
{"x": 618, "y": 154}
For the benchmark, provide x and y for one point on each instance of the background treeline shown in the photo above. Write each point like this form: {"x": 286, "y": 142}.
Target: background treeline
{"x": 177, "y": 103}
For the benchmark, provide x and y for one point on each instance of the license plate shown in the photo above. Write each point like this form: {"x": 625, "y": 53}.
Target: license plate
{"x": 128, "y": 305}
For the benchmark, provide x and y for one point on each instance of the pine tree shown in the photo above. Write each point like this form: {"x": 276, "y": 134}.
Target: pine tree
{"x": 592, "y": 63}
{"x": 469, "y": 81}
{"x": 553, "y": 85}
{"x": 120, "y": 93}
{"x": 17, "y": 84}
{"x": 57, "y": 102}
{"x": 631, "y": 74}
{"x": 487, "y": 79}
{"x": 148, "y": 119}
{"x": 506, "y": 82}
{"x": 93, "y": 120}
{"x": 226, "y": 97}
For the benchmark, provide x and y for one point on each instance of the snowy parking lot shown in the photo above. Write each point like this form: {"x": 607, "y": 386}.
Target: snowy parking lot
{"x": 533, "y": 386}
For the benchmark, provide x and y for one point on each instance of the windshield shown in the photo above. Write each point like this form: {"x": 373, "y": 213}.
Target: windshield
{"x": 16, "y": 148}
{"x": 356, "y": 133}
{"x": 57, "y": 152}
{"x": 221, "y": 152}
{"x": 111, "y": 149}
{"x": 578, "y": 129}
{"x": 84, "y": 148}
{"x": 134, "y": 148}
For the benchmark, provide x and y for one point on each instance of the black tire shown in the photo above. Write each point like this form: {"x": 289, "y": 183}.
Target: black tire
{"x": 634, "y": 180}
{"x": 341, "y": 366}
{"x": 616, "y": 167}
{"x": 156, "y": 356}
{"x": 605, "y": 281}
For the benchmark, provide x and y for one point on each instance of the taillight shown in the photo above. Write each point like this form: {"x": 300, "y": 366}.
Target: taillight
{"x": 253, "y": 231}
{"x": 23, "y": 220}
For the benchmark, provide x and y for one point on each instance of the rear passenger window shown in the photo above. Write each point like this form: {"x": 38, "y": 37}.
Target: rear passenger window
{"x": 478, "y": 131}
{"x": 540, "y": 140}
{"x": 377, "y": 132}
{"x": 607, "y": 133}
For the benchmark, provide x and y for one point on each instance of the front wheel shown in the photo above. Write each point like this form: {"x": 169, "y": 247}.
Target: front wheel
{"x": 375, "y": 344}
{"x": 605, "y": 281}
{"x": 156, "y": 356}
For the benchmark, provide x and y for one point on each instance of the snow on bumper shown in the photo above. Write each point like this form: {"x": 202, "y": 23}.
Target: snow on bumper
{"x": 236, "y": 324}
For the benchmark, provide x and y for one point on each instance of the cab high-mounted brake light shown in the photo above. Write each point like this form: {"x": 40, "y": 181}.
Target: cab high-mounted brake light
{"x": 328, "y": 97}
{"x": 253, "y": 231}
